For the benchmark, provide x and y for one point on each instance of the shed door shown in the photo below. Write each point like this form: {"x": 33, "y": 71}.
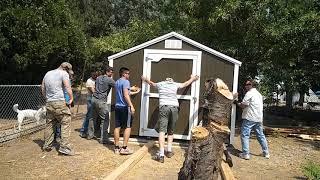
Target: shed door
{"x": 179, "y": 65}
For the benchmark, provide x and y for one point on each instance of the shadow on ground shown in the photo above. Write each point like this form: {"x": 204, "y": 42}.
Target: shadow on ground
{"x": 315, "y": 144}
{"x": 40, "y": 142}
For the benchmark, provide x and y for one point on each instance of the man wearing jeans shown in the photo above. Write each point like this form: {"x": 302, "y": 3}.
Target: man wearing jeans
{"x": 99, "y": 123}
{"x": 168, "y": 112}
{"x": 90, "y": 84}
{"x": 252, "y": 116}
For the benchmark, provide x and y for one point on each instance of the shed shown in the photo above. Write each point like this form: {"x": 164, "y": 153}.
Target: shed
{"x": 176, "y": 56}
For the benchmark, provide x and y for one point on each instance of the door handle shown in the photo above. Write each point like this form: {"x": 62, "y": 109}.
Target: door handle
{"x": 148, "y": 59}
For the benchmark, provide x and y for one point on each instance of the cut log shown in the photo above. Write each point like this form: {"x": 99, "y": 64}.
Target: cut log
{"x": 205, "y": 151}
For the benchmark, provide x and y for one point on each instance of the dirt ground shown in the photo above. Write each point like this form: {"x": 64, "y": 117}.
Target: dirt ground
{"x": 23, "y": 159}
{"x": 287, "y": 157}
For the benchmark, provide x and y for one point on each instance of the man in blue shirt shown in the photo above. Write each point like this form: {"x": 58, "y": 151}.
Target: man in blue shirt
{"x": 124, "y": 110}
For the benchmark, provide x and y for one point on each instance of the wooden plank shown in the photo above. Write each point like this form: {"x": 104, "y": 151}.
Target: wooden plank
{"x": 129, "y": 163}
{"x": 306, "y": 137}
{"x": 292, "y": 130}
{"x": 226, "y": 171}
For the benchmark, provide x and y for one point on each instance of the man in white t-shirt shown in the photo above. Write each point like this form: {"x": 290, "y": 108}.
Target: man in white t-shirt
{"x": 168, "y": 112}
{"x": 252, "y": 116}
{"x": 90, "y": 84}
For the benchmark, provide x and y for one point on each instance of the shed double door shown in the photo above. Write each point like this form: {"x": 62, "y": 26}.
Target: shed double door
{"x": 179, "y": 65}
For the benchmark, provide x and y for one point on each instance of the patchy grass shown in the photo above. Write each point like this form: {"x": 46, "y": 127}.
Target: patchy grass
{"x": 311, "y": 170}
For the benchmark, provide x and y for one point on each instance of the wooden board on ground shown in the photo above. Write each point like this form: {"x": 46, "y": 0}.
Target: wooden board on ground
{"x": 129, "y": 163}
{"x": 292, "y": 130}
{"x": 306, "y": 137}
{"x": 226, "y": 171}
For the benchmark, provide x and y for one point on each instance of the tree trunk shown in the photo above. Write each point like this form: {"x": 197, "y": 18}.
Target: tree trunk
{"x": 289, "y": 99}
{"x": 204, "y": 155}
{"x": 301, "y": 98}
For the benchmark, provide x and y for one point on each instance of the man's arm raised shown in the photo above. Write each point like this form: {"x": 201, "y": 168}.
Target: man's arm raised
{"x": 151, "y": 83}
{"x": 188, "y": 82}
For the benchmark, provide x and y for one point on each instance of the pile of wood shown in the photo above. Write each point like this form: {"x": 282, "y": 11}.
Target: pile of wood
{"x": 298, "y": 132}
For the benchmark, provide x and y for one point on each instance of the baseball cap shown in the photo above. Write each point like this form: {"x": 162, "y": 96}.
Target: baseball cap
{"x": 67, "y": 66}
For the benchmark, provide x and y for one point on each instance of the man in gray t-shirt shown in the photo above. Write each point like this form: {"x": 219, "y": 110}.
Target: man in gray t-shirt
{"x": 57, "y": 110}
{"x": 100, "y": 113}
{"x": 168, "y": 111}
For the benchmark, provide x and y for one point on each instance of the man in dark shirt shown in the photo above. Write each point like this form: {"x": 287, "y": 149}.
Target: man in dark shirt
{"x": 99, "y": 123}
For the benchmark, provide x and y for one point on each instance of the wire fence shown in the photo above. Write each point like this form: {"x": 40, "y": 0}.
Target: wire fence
{"x": 26, "y": 96}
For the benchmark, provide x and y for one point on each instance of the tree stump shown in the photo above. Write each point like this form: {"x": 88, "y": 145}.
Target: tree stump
{"x": 205, "y": 151}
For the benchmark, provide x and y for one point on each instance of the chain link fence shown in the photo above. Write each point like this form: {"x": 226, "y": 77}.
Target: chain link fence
{"x": 26, "y": 96}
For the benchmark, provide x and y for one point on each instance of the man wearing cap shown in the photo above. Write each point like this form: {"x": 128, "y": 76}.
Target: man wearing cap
{"x": 168, "y": 111}
{"x": 53, "y": 84}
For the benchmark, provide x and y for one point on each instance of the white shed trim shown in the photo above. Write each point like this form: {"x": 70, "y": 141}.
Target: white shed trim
{"x": 179, "y": 36}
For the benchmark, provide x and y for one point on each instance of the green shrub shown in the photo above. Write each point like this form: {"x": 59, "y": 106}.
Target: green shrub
{"x": 312, "y": 170}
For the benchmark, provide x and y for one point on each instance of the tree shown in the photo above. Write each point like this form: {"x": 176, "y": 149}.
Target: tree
{"x": 37, "y": 36}
{"x": 293, "y": 41}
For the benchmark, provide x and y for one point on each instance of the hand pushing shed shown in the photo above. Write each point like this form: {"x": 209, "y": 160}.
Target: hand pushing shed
{"x": 176, "y": 56}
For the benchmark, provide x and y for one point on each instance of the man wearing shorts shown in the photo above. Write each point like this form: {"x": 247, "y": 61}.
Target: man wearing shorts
{"x": 124, "y": 110}
{"x": 168, "y": 112}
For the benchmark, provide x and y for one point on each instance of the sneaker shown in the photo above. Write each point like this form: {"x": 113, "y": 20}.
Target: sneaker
{"x": 158, "y": 158}
{"x": 66, "y": 151}
{"x": 169, "y": 154}
{"x": 89, "y": 137}
{"x": 126, "y": 151}
{"x": 83, "y": 135}
{"x": 266, "y": 155}
{"x": 244, "y": 156}
{"x": 117, "y": 150}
